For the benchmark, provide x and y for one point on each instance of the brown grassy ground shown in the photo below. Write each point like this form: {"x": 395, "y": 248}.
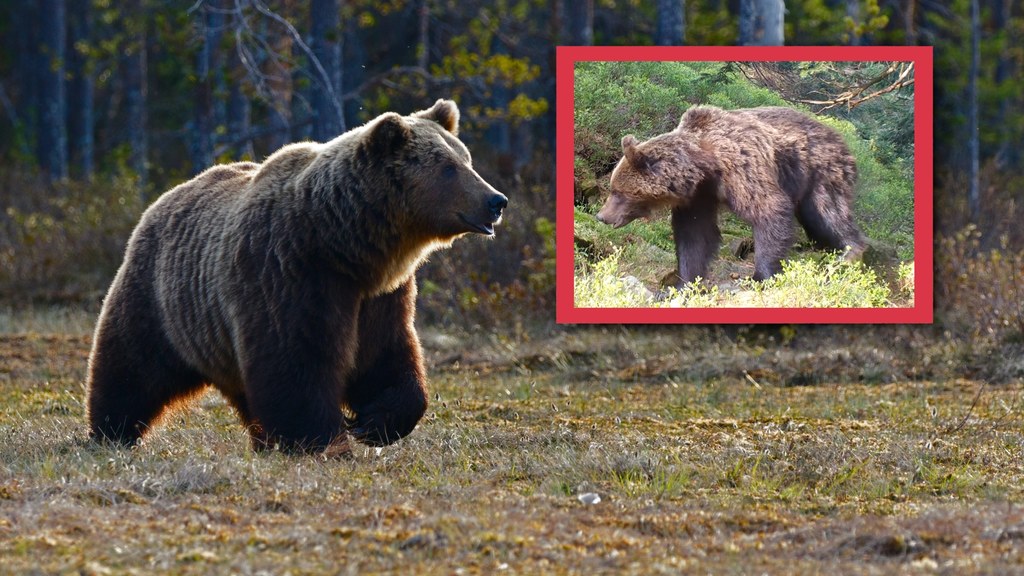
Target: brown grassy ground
{"x": 710, "y": 454}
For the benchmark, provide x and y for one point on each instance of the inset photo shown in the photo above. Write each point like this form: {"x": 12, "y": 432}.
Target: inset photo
{"x": 744, "y": 185}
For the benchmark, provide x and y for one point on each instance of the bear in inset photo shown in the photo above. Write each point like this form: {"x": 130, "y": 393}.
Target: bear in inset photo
{"x": 766, "y": 164}
{"x": 289, "y": 286}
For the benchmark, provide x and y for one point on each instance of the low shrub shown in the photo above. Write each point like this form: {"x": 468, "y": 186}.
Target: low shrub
{"x": 63, "y": 242}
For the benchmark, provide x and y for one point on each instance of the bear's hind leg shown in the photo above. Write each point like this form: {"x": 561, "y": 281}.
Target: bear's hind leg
{"x": 133, "y": 377}
{"x": 828, "y": 221}
{"x": 257, "y": 435}
{"x": 697, "y": 237}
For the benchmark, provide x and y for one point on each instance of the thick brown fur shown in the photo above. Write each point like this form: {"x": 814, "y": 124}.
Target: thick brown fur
{"x": 289, "y": 286}
{"x": 765, "y": 164}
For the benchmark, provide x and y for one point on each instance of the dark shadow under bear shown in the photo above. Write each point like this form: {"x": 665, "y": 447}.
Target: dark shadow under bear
{"x": 765, "y": 164}
{"x": 289, "y": 286}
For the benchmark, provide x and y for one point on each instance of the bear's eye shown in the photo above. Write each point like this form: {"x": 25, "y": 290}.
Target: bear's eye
{"x": 449, "y": 171}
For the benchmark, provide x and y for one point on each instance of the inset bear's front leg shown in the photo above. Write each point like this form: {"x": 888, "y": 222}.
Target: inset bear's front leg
{"x": 772, "y": 238}
{"x": 387, "y": 389}
{"x": 697, "y": 237}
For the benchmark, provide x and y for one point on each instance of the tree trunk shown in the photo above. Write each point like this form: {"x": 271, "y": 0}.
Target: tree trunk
{"x": 278, "y": 76}
{"x": 52, "y": 150}
{"x": 353, "y": 67}
{"x": 1007, "y": 153}
{"x": 134, "y": 71}
{"x": 579, "y": 18}
{"x": 203, "y": 125}
{"x": 761, "y": 22}
{"x": 24, "y": 88}
{"x": 671, "y": 25}
{"x": 909, "y": 16}
{"x": 81, "y": 91}
{"x": 325, "y": 42}
{"x": 853, "y": 13}
{"x": 973, "y": 145}
{"x": 239, "y": 109}
{"x": 499, "y": 134}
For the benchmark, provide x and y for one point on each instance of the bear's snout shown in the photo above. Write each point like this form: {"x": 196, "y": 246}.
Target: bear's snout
{"x": 612, "y": 213}
{"x": 496, "y": 204}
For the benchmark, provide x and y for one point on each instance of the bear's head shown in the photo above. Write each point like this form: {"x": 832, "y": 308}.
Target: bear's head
{"x": 441, "y": 195}
{"x": 662, "y": 172}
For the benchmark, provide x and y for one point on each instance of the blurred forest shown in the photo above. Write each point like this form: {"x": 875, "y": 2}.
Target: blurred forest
{"x": 103, "y": 105}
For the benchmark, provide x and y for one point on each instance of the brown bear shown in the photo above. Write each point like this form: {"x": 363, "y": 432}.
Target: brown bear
{"x": 289, "y": 286}
{"x": 765, "y": 164}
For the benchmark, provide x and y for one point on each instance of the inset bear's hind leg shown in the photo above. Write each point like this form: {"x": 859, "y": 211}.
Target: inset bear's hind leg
{"x": 387, "y": 390}
{"x": 828, "y": 220}
{"x": 134, "y": 374}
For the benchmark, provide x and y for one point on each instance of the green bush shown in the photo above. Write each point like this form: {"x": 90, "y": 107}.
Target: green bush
{"x": 829, "y": 282}
{"x": 600, "y": 286}
{"x": 63, "y": 242}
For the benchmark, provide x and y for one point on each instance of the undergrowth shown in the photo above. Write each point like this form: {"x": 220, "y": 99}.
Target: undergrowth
{"x": 827, "y": 281}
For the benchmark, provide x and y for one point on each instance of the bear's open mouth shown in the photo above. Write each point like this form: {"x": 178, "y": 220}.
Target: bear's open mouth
{"x": 486, "y": 229}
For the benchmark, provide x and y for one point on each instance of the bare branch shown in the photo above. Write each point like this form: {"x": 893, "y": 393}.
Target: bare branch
{"x": 325, "y": 79}
{"x": 852, "y": 98}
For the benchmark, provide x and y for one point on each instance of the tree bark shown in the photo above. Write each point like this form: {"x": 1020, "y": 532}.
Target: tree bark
{"x": 278, "y": 74}
{"x": 973, "y": 145}
{"x": 239, "y": 110}
{"x": 52, "y": 152}
{"x": 579, "y": 18}
{"x": 1007, "y": 153}
{"x": 853, "y": 13}
{"x": 761, "y": 22}
{"x": 134, "y": 76}
{"x": 909, "y": 17}
{"x": 81, "y": 91}
{"x": 203, "y": 125}
{"x": 353, "y": 67}
{"x": 325, "y": 42}
{"x": 671, "y": 26}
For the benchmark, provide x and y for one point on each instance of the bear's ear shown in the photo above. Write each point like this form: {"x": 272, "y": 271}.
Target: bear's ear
{"x": 633, "y": 154}
{"x": 445, "y": 113}
{"x": 388, "y": 133}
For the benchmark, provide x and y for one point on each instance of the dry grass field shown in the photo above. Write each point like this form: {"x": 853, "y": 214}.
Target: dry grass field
{"x": 709, "y": 454}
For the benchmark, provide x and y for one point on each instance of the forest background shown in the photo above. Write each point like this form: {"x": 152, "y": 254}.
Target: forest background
{"x": 105, "y": 105}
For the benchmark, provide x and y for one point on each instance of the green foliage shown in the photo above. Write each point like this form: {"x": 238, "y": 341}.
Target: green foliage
{"x": 829, "y": 282}
{"x": 601, "y": 287}
{"x": 905, "y": 281}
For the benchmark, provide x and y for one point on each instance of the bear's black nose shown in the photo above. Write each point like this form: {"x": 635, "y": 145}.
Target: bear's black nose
{"x": 497, "y": 204}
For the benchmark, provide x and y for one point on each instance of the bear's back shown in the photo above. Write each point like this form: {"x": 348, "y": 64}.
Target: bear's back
{"x": 179, "y": 245}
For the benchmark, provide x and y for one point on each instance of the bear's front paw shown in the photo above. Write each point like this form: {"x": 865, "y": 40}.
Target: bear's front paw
{"x": 380, "y": 428}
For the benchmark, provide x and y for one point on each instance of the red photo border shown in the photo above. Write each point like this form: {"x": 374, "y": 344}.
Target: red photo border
{"x": 920, "y": 313}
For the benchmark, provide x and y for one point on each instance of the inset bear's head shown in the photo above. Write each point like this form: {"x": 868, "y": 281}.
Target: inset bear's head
{"x": 662, "y": 172}
{"x": 442, "y": 196}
